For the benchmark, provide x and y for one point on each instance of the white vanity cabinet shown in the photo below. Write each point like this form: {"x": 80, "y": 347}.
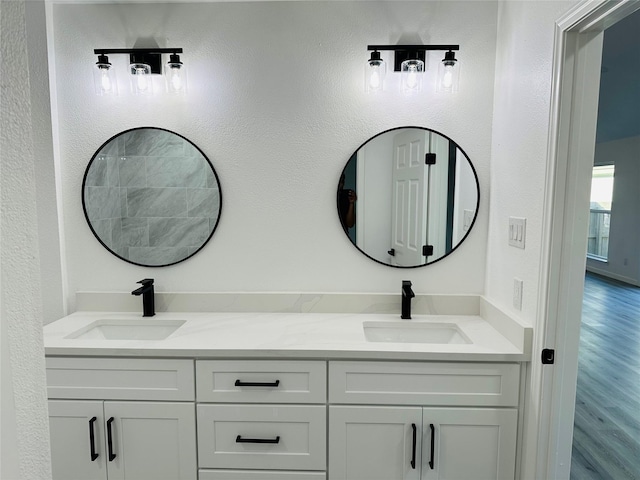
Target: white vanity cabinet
{"x": 382, "y": 425}
{"x": 261, "y": 420}
{"x": 187, "y": 419}
{"x": 123, "y": 419}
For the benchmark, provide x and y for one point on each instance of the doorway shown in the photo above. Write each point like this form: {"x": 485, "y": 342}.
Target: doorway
{"x": 606, "y": 435}
{"x": 577, "y": 64}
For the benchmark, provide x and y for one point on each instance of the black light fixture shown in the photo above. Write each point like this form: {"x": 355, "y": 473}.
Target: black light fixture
{"x": 143, "y": 62}
{"x": 104, "y": 78}
{"x": 410, "y": 61}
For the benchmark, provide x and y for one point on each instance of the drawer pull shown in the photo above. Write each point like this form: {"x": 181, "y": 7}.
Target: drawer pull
{"x": 240, "y": 383}
{"x": 433, "y": 442}
{"x": 92, "y": 439}
{"x": 239, "y": 439}
{"x": 415, "y": 439}
{"x": 112, "y": 456}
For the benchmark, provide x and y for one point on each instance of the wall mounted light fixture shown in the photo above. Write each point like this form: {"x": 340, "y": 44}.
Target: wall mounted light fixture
{"x": 143, "y": 62}
{"x": 410, "y": 61}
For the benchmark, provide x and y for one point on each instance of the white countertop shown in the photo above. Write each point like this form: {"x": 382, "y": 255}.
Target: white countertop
{"x": 282, "y": 335}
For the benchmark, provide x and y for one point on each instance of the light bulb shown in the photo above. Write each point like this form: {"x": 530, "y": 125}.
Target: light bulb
{"x": 175, "y": 75}
{"x": 176, "y": 79}
{"x": 412, "y": 77}
{"x": 412, "y": 70}
{"x": 448, "y": 74}
{"x": 105, "y": 81}
{"x": 447, "y": 79}
{"x": 374, "y": 73}
{"x": 141, "y": 82}
{"x": 374, "y": 80}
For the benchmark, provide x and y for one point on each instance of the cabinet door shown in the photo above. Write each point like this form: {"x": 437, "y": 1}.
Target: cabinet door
{"x": 374, "y": 443}
{"x": 73, "y": 425}
{"x": 152, "y": 440}
{"x": 469, "y": 443}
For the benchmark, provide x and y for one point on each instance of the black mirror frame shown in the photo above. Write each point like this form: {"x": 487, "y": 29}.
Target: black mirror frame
{"x": 471, "y": 225}
{"x": 84, "y": 207}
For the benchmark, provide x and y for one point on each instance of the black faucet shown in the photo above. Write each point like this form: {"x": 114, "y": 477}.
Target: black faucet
{"x": 407, "y": 295}
{"x": 148, "y": 303}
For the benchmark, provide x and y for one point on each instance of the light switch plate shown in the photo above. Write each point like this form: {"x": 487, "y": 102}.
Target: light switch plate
{"x": 517, "y": 293}
{"x": 517, "y": 231}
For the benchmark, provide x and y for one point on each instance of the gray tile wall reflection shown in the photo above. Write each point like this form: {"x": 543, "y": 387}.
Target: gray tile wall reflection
{"x": 151, "y": 197}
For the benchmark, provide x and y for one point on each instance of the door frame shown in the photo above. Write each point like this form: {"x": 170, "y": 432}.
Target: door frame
{"x": 577, "y": 52}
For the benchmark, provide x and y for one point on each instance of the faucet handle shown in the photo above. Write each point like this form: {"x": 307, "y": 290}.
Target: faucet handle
{"x": 146, "y": 281}
{"x": 406, "y": 283}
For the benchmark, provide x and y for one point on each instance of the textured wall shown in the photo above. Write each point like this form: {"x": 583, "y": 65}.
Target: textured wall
{"x": 276, "y": 103}
{"x": 25, "y": 432}
{"x": 519, "y": 152}
{"x": 518, "y": 169}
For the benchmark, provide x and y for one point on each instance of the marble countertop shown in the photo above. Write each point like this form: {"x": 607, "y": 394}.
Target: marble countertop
{"x": 283, "y": 335}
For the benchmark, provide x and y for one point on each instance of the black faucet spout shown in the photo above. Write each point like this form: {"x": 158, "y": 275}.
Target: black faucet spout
{"x": 148, "y": 301}
{"x": 407, "y": 295}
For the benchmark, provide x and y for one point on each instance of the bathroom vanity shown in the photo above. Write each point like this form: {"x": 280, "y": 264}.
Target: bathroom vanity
{"x": 257, "y": 396}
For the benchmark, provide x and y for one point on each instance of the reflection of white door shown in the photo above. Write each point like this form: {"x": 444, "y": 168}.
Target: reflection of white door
{"x": 438, "y": 197}
{"x": 408, "y": 203}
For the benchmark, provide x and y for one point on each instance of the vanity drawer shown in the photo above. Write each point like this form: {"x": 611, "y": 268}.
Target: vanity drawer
{"x": 250, "y": 381}
{"x": 417, "y": 383}
{"x": 120, "y": 378}
{"x": 259, "y": 475}
{"x": 280, "y": 437}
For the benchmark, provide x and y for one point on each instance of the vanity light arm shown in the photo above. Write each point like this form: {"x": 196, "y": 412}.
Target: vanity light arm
{"x": 109, "y": 51}
{"x": 413, "y": 48}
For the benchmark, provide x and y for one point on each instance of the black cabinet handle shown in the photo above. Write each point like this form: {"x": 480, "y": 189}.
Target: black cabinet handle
{"x": 415, "y": 439}
{"x": 240, "y": 383}
{"x": 239, "y": 439}
{"x": 112, "y": 455}
{"x": 92, "y": 440}
{"x": 433, "y": 442}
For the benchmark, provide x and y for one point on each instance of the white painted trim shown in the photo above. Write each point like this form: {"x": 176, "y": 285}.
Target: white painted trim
{"x": 615, "y": 276}
{"x": 55, "y": 135}
{"x": 577, "y": 49}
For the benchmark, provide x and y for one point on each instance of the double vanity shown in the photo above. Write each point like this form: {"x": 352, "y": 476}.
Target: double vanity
{"x": 285, "y": 395}
{"x": 284, "y": 386}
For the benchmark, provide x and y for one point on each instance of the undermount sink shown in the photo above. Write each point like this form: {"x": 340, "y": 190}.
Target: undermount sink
{"x": 414, "y": 332}
{"x": 127, "y": 329}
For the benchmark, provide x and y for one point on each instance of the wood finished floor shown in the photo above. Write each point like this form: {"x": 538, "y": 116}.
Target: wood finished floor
{"x": 606, "y": 434}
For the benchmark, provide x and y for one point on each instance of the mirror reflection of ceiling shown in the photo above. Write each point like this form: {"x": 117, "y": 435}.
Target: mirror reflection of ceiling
{"x": 618, "y": 109}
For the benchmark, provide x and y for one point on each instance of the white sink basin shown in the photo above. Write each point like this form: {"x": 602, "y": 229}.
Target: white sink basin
{"x": 127, "y": 329}
{"x": 414, "y": 332}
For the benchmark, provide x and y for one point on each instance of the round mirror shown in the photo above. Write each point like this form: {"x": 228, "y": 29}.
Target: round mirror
{"x": 151, "y": 197}
{"x": 408, "y": 197}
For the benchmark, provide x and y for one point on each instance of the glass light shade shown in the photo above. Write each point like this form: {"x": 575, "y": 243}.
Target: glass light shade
{"x": 374, "y": 72}
{"x": 448, "y": 75}
{"x": 412, "y": 72}
{"x": 141, "y": 81}
{"x": 104, "y": 78}
{"x": 175, "y": 78}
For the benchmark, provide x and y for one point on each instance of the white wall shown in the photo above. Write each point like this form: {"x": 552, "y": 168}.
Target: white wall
{"x": 276, "y": 102}
{"x": 25, "y": 432}
{"x": 524, "y": 61}
{"x": 624, "y": 233}
{"x": 520, "y": 134}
